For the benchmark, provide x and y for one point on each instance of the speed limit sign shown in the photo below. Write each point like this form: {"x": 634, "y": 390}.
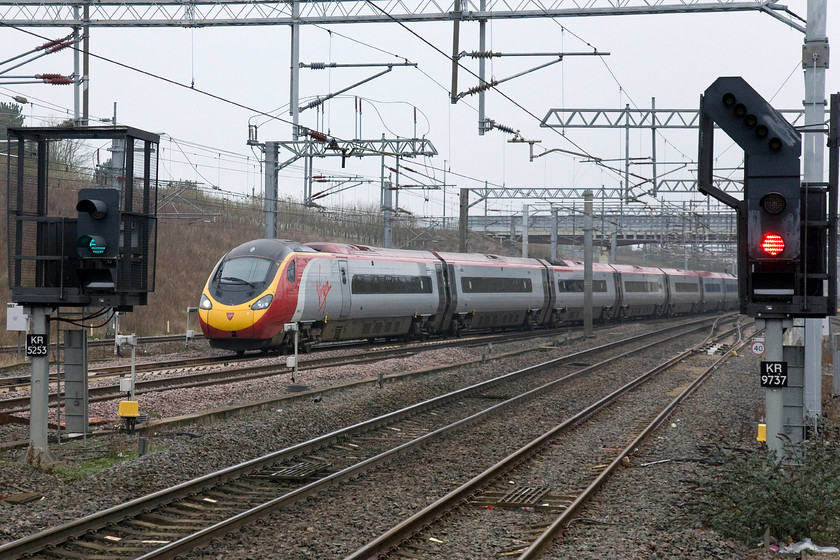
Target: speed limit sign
{"x": 758, "y": 347}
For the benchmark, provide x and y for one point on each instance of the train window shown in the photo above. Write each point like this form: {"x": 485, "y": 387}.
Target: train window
{"x": 479, "y": 285}
{"x": 245, "y": 270}
{"x": 570, "y": 285}
{"x": 290, "y": 272}
{"x": 396, "y": 284}
{"x": 686, "y": 287}
{"x": 712, "y": 287}
{"x": 641, "y": 286}
{"x": 576, "y": 286}
{"x": 343, "y": 276}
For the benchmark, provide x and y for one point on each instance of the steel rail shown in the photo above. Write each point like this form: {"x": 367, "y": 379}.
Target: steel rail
{"x": 53, "y": 537}
{"x": 543, "y": 542}
{"x": 21, "y": 404}
{"x": 158, "y": 339}
{"x": 391, "y": 539}
{"x": 186, "y": 544}
{"x": 202, "y": 379}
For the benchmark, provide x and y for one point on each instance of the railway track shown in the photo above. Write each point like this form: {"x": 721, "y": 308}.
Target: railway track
{"x": 16, "y": 382}
{"x": 549, "y": 509}
{"x": 174, "y": 521}
{"x": 109, "y": 342}
{"x": 175, "y": 374}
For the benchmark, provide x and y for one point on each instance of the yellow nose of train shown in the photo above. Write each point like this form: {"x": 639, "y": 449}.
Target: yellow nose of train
{"x": 235, "y": 321}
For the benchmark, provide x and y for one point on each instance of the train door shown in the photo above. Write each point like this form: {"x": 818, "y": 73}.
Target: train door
{"x": 670, "y": 295}
{"x": 619, "y": 295}
{"x": 443, "y": 298}
{"x": 548, "y": 291}
{"x": 451, "y": 295}
{"x": 344, "y": 276}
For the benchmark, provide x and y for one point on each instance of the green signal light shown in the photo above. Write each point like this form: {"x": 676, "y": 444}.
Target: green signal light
{"x": 96, "y": 244}
{"x": 96, "y": 248}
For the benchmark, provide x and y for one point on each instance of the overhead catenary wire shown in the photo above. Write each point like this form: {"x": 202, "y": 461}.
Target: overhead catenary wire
{"x": 181, "y": 85}
{"x": 279, "y": 119}
{"x": 188, "y": 87}
{"x": 461, "y": 66}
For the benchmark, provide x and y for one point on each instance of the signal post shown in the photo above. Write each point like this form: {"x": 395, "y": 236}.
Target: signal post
{"x": 787, "y": 238}
{"x": 103, "y": 257}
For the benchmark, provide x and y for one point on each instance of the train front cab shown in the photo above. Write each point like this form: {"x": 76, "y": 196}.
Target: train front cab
{"x": 245, "y": 301}
{"x": 730, "y": 290}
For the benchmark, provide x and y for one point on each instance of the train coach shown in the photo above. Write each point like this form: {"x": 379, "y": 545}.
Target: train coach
{"x": 338, "y": 292}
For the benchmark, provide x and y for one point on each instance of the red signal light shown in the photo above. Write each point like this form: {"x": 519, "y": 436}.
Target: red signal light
{"x": 772, "y": 244}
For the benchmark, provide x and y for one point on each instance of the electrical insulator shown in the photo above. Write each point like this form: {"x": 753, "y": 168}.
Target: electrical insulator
{"x": 49, "y": 44}
{"x": 504, "y": 128}
{"x": 60, "y": 46}
{"x": 482, "y": 87}
{"x": 54, "y": 79}
{"x": 484, "y": 54}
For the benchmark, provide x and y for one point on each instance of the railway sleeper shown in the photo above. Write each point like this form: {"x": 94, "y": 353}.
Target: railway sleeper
{"x": 108, "y": 549}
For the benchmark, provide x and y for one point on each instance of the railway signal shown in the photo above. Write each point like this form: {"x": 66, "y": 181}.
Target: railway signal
{"x": 98, "y": 226}
{"x": 784, "y": 236}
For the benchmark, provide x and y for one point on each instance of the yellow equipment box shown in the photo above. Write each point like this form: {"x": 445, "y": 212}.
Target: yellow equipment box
{"x": 129, "y": 409}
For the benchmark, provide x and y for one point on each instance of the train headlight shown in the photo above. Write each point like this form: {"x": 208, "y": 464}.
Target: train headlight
{"x": 205, "y": 302}
{"x": 262, "y": 303}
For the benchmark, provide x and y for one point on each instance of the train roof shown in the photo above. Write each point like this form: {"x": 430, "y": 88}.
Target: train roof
{"x": 366, "y": 251}
{"x": 481, "y": 259}
{"x": 275, "y": 249}
{"x": 706, "y": 274}
{"x": 633, "y": 269}
{"x": 679, "y": 272}
{"x": 578, "y": 265}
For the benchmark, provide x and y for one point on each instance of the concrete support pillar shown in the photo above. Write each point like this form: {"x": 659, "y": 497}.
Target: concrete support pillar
{"x": 38, "y": 452}
{"x": 587, "y": 265}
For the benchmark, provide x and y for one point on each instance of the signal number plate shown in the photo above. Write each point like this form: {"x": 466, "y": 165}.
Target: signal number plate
{"x": 774, "y": 374}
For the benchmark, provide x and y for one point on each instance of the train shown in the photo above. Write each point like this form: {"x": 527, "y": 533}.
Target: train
{"x": 336, "y": 292}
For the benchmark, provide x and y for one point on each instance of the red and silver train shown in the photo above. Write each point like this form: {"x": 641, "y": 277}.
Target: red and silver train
{"x": 345, "y": 292}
